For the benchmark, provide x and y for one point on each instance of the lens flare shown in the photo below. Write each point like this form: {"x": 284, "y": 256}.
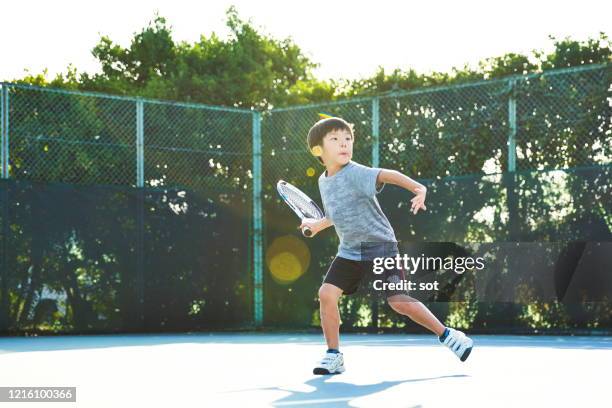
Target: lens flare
{"x": 287, "y": 259}
{"x": 317, "y": 151}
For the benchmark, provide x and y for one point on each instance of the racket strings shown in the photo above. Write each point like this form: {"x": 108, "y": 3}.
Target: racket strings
{"x": 305, "y": 206}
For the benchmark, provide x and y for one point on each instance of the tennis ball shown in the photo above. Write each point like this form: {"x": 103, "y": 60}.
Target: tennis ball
{"x": 317, "y": 151}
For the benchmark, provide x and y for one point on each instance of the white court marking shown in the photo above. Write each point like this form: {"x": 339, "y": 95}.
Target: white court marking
{"x": 267, "y": 370}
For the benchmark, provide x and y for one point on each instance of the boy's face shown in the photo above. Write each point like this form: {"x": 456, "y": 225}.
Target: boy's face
{"x": 337, "y": 147}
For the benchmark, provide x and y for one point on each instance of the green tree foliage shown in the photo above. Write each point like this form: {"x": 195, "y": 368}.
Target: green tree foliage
{"x": 253, "y": 69}
{"x": 566, "y": 53}
{"x": 248, "y": 69}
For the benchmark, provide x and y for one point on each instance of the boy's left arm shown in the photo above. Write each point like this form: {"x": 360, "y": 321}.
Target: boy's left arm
{"x": 399, "y": 179}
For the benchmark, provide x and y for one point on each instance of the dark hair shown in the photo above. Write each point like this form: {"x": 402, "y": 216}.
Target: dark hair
{"x": 318, "y": 131}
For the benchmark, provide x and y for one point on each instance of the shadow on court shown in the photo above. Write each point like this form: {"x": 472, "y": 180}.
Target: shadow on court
{"x": 338, "y": 394}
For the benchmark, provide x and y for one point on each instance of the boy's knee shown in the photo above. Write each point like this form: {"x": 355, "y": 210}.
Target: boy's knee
{"x": 327, "y": 294}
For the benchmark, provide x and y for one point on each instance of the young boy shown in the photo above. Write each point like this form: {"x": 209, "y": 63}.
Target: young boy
{"x": 348, "y": 191}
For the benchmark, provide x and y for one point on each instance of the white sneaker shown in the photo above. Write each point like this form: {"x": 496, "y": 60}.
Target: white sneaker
{"x": 459, "y": 343}
{"x": 332, "y": 363}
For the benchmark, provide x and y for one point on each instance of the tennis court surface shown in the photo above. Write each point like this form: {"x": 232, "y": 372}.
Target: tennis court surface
{"x": 260, "y": 370}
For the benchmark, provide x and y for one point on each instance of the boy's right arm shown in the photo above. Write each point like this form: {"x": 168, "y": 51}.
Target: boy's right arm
{"x": 316, "y": 226}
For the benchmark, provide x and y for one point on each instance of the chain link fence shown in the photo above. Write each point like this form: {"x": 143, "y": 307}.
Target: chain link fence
{"x": 57, "y": 136}
{"x": 86, "y": 138}
{"x": 123, "y": 214}
{"x": 199, "y": 147}
{"x": 447, "y": 131}
{"x": 563, "y": 119}
{"x": 159, "y": 176}
{"x": 485, "y": 150}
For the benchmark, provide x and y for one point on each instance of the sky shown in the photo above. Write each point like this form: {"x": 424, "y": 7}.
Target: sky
{"x": 349, "y": 39}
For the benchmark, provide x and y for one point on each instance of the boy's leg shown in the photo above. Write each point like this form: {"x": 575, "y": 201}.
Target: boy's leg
{"x": 333, "y": 361}
{"x": 330, "y": 315}
{"x": 342, "y": 277}
{"x": 404, "y": 304}
{"x": 455, "y": 340}
{"x": 409, "y": 306}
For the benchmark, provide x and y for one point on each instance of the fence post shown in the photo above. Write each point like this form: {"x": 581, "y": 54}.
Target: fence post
{"x": 257, "y": 223}
{"x": 4, "y": 127}
{"x": 4, "y": 307}
{"x": 375, "y": 163}
{"x": 512, "y": 126}
{"x": 139, "y": 143}
{"x": 4, "y": 174}
{"x": 376, "y": 131}
{"x": 511, "y": 193}
{"x": 140, "y": 314}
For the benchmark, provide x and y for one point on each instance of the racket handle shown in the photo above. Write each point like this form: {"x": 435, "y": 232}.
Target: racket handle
{"x": 307, "y": 232}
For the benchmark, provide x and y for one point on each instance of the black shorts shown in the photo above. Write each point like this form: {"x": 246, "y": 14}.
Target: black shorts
{"x": 347, "y": 275}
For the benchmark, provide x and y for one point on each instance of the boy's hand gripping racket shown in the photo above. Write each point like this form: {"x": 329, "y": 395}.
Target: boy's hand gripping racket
{"x": 300, "y": 203}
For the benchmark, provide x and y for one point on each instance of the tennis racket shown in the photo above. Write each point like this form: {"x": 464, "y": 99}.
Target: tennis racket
{"x": 300, "y": 203}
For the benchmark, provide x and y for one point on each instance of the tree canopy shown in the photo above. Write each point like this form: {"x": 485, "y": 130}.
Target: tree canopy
{"x": 252, "y": 69}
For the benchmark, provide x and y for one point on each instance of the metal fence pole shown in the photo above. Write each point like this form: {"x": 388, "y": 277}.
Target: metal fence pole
{"x": 4, "y": 126}
{"x": 375, "y": 132}
{"x": 4, "y": 173}
{"x": 140, "y": 212}
{"x": 4, "y": 304}
{"x": 257, "y": 223}
{"x": 511, "y": 193}
{"x": 139, "y": 143}
{"x": 512, "y": 126}
{"x": 375, "y": 163}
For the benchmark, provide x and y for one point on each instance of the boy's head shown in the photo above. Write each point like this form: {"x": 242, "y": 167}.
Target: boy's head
{"x": 331, "y": 140}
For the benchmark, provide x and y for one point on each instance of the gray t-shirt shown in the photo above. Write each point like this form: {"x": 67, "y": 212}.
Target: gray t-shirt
{"x": 349, "y": 201}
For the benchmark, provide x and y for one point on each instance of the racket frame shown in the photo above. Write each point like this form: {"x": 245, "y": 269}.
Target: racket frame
{"x": 307, "y": 232}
